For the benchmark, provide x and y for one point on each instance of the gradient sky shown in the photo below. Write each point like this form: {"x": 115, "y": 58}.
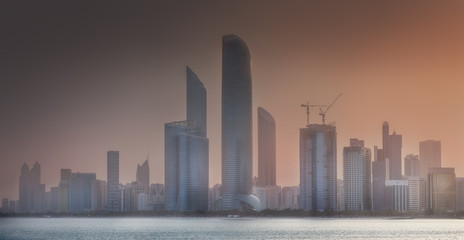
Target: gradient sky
{"x": 78, "y": 79}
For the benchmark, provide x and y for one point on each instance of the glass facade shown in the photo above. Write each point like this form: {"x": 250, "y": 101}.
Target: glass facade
{"x": 266, "y": 149}
{"x": 237, "y": 164}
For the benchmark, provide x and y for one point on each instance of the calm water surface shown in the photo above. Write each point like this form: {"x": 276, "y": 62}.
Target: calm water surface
{"x": 224, "y": 228}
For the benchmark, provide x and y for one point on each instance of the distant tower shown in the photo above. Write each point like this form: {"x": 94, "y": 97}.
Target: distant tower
{"x": 357, "y": 176}
{"x": 318, "y": 168}
{"x": 31, "y": 191}
{"x": 394, "y": 163}
{"x": 143, "y": 174}
{"x": 113, "y": 194}
{"x": 386, "y": 139}
{"x": 411, "y": 165}
{"x": 429, "y": 156}
{"x": 266, "y": 149}
{"x": 25, "y": 189}
{"x": 63, "y": 189}
{"x": 80, "y": 191}
{"x": 237, "y": 162}
{"x": 186, "y": 154}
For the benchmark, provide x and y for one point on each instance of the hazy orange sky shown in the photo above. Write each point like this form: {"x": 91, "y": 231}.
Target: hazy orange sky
{"x": 79, "y": 79}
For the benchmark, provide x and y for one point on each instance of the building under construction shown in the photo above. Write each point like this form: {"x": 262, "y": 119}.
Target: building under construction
{"x": 318, "y": 168}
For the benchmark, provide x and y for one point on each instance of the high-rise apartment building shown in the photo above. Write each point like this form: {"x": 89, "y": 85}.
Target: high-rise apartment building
{"x": 459, "y": 194}
{"x": 113, "y": 194}
{"x": 237, "y": 158}
{"x": 63, "y": 189}
{"x": 411, "y": 165}
{"x": 266, "y": 149}
{"x": 318, "y": 168}
{"x": 441, "y": 189}
{"x": 357, "y": 176}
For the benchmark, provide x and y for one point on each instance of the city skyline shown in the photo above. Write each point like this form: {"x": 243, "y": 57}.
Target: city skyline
{"x": 67, "y": 108}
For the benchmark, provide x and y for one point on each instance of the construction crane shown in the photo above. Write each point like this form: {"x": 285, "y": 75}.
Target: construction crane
{"x": 307, "y": 106}
{"x": 323, "y": 113}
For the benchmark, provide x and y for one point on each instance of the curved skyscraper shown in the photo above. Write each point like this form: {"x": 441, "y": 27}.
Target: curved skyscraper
{"x": 266, "y": 149}
{"x": 237, "y": 164}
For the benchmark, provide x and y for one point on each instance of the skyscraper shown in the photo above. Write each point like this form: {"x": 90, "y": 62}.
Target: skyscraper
{"x": 318, "y": 168}
{"x": 429, "y": 156}
{"x": 143, "y": 174}
{"x": 113, "y": 197}
{"x": 31, "y": 191}
{"x": 266, "y": 149}
{"x": 394, "y": 156}
{"x": 63, "y": 190}
{"x": 386, "y": 139}
{"x": 237, "y": 164}
{"x": 441, "y": 189}
{"x": 357, "y": 176}
{"x": 186, "y": 154}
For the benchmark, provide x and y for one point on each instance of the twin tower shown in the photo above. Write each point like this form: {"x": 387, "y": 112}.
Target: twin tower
{"x": 187, "y": 145}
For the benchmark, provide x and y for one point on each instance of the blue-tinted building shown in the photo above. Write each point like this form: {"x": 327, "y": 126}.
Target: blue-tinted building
{"x": 113, "y": 195}
{"x": 80, "y": 191}
{"x": 237, "y": 162}
{"x": 187, "y": 154}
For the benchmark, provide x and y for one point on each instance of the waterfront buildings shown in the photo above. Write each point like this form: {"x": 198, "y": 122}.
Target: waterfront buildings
{"x": 31, "y": 191}
{"x": 394, "y": 156}
{"x": 98, "y": 195}
{"x": 63, "y": 189}
{"x": 379, "y": 176}
{"x": 459, "y": 194}
{"x": 441, "y": 189}
{"x": 186, "y": 154}
{"x": 397, "y": 195}
{"x": 80, "y": 192}
{"x": 290, "y": 197}
{"x": 318, "y": 168}
{"x": 113, "y": 195}
{"x": 357, "y": 176}
{"x": 237, "y": 162}
{"x": 266, "y": 149}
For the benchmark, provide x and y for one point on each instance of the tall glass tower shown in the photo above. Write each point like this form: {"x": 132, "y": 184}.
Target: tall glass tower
{"x": 237, "y": 164}
{"x": 266, "y": 149}
{"x": 186, "y": 154}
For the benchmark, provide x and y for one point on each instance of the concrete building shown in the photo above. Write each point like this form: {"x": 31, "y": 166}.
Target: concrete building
{"x": 459, "y": 194}
{"x": 318, "y": 168}
{"x": 357, "y": 176}
{"x": 397, "y": 195}
{"x": 273, "y": 197}
{"x": 187, "y": 154}
{"x": 63, "y": 190}
{"x": 80, "y": 192}
{"x": 113, "y": 197}
{"x": 290, "y": 197}
{"x": 441, "y": 189}
{"x": 340, "y": 195}
{"x": 237, "y": 148}
{"x": 98, "y": 195}
{"x": 266, "y": 149}
{"x": 411, "y": 165}
{"x": 414, "y": 193}
{"x": 157, "y": 196}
